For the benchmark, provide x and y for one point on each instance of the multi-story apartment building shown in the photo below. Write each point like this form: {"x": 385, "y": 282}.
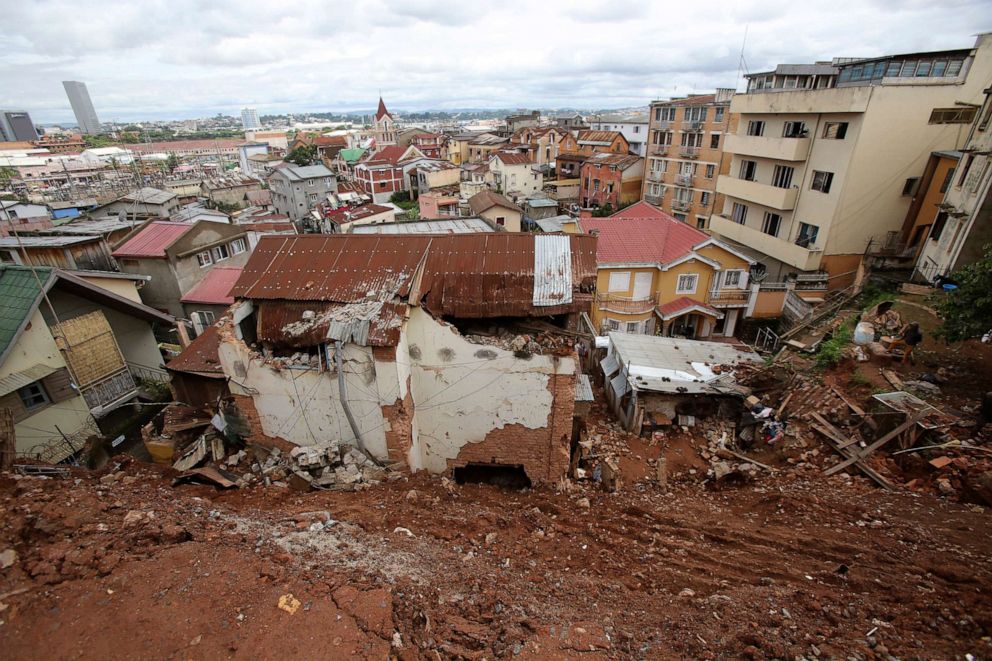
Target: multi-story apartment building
{"x": 296, "y": 189}
{"x": 817, "y": 174}
{"x": 963, "y": 224}
{"x": 633, "y": 127}
{"x": 685, "y": 155}
{"x": 249, "y": 119}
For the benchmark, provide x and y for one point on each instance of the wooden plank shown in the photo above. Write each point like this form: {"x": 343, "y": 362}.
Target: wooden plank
{"x": 745, "y": 458}
{"x": 851, "y": 405}
{"x": 834, "y": 433}
{"x": 857, "y": 457}
{"x": 864, "y": 468}
{"x": 785, "y": 402}
{"x": 892, "y": 378}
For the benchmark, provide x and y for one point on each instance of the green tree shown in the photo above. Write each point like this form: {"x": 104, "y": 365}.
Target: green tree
{"x": 967, "y": 310}
{"x": 172, "y": 161}
{"x": 7, "y": 175}
{"x": 603, "y": 211}
{"x": 302, "y": 155}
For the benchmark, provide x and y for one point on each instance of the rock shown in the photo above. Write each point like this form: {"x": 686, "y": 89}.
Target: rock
{"x": 134, "y": 518}
{"x": 8, "y": 558}
{"x": 490, "y": 538}
{"x": 721, "y": 469}
{"x": 412, "y": 495}
{"x": 109, "y": 478}
{"x": 923, "y": 387}
{"x": 289, "y": 603}
{"x": 583, "y": 503}
{"x": 300, "y": 481}
{"x": 945, "y": 487}
{"x": 686, "y": 593}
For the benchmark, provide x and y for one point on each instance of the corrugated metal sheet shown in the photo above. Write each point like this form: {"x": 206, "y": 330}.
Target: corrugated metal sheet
{"x": 153, "y": 239}
{"x": 464, "y": 275}
{"x": 215, "y": 288}
{"x": 552, "y": 270}
{"x": 609, "y": 364}
{"x": 305, "y": 324}
{"x": 200, "y": 356}
{"x": 583, "y": 389}
{"x": 620, "y": 384}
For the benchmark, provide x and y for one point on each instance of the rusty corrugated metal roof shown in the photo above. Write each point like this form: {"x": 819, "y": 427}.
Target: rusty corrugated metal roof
{"x": 463, "y": 275}
{"x": 308, "y": 323}
{"x": 200, "y": 357}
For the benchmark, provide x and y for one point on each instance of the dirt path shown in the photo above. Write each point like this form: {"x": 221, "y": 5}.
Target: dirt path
{"x": 777, "y": 569}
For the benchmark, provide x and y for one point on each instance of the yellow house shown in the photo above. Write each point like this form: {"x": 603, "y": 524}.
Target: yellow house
{"x": 660, "y": 276}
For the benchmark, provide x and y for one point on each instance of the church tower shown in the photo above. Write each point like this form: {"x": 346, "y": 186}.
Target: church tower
{"x": 383, "y": 127}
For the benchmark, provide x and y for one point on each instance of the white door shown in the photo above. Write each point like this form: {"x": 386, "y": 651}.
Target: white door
{"x": 642, "y": 285}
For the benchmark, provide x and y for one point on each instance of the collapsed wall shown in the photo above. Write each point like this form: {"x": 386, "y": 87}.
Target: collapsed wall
{"x": 435, "y": 401}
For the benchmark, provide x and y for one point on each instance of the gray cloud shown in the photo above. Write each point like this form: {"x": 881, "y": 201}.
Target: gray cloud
{"x": 187, "y": 58}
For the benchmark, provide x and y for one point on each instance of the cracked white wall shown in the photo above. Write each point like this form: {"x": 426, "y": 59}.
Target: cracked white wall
{"x": 303, "y": 406}
{"x": 462, "y": 391}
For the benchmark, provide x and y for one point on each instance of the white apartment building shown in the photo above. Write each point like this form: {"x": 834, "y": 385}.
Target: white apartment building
{"x": 964, "y": 223}
{"x": 633, "y": 127}
{"x": 819, "y": 170}
{"x": 249, "y": 119}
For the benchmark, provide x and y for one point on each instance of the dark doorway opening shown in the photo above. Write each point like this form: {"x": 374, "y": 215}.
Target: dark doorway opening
{"x": 505, "y": 476}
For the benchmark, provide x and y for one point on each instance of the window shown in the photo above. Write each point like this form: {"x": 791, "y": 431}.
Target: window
{"x": 595, "y": 184}
{"x": 613, "y": 324}
{"x": 964, "y": 171}
{"x": 701, "y": 222}
{"x": 501, "y": 221}
{"x": 748, "y": 170}
{"x": 679, "y": 217}
{"x": 663, "y": 137}
{"x": 822, "y": 181}
{"x": 692, "y": 139}
{"x": 704, "y": 198}
{"x": 619, "y": 281}
{"x": 687, "y": 283}
{"x": 33, "y": 396}
{"x": 947, "y": 180}
{"x": 695, "y": 114}
{"x": 938, "y": 225}
{"x": 923, "y": 70}
{"x": 835, "y": 130}
{"x": 733, "y": 279}
{"x": 893, "y": 69}
{"x": 953, "y": 115}
{"x": 908, "y": 68}
{"x": 664, "y": 114}
{"x": 954, "y": 67}
{"x": 633, "y": 327}
{"x": 782, "y": 176}
{"x": 715, "y": 141}
{"x": 237, "y": 246}
{"x": 204, "y": 259}
{"x": 710, "y": 171}
{"x": 637, "y": 129}
{"x": 909, "y": 188}
{"x": 807, "y": 235}
{"x": 794, "y": 130}
{"x": 771, "y": 224}
{"x": 719, "y": 115}
{"x": 739, "y": 214}
{"x": 221, "y": 253}
{"x": 755, "y": 127}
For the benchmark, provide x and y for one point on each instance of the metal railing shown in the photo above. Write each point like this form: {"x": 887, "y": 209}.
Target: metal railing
{"x": 654, "y": 175}
{"x": 658, "y": 150}
{"x": 146, "y": 373}
{"x": 683, "y": 179}
{"x": 692, "y": 126}
{"x": 110, "y": 389}
{"x": 681, "y": 205}
{"x": 729, "y": 297}
{"x": 654, "y": 199}
{"x": 689, "y": 152}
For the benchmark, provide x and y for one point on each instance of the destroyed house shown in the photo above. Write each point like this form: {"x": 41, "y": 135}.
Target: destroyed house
{"x": 436, "y": 352}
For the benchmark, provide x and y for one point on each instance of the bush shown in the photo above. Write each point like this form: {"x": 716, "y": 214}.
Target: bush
{"x": 831, "y": 351}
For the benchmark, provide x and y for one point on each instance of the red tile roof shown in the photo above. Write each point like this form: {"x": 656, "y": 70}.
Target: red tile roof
{"x": 330, "y": 141}
{"x": 684, "y": 304}
{"x": 391, "y": 154}
{"x": 200, "y": 356}
{"x": 215, "y": 287}
{"x": 184, "y": 145}
{"x": 153, "y": 239}
{"x": 642, "y": 234}
{"x": 487, "y": 199}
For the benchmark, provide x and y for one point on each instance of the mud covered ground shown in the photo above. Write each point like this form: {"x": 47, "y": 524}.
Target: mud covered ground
{"x": 792, "y": 565}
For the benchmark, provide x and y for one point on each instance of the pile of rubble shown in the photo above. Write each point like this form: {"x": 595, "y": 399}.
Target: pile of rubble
{"x": 330, "y": 467}
{"x": 537, "y": 342}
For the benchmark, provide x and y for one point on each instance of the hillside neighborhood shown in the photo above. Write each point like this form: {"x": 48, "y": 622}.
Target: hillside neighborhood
{"x": 707, "y": 378}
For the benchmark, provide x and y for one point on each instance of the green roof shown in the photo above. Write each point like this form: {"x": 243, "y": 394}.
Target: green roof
{"x": 351, "y": 155}
{"x": 18, "y": 293}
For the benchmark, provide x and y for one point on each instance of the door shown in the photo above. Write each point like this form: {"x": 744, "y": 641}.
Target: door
{"x": 642, "y": 285}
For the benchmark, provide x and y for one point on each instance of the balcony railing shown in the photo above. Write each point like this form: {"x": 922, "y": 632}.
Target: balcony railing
{"x": 625, "y": 304}
{"x": 683, "y": 179}
{"x": 654, "y": 175}
{"x": 116, "y": 387}
{"x": 658, "y": 150}
{"x": 689, "y": 152}
{"x": 654, "y": 199}
{"x": 663, "y": 126}
{"x": 729, "y": 297}
{"x": 692, "y": 126}
{"x": 681, "y": 205}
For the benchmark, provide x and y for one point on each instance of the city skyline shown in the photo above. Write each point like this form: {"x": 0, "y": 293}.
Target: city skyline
{"x": 258, "y": 56}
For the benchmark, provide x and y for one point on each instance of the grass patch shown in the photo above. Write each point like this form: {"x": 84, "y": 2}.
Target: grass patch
{"x": 831, "y": 351}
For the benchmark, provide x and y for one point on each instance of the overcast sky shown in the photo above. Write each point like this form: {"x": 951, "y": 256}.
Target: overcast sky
{"x": 152, "y": 59}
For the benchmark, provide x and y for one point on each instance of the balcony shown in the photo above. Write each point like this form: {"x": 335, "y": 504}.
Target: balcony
{"x": 654, "y": 199}
{"x": 663, "y": 126}
{"x": 763, "y": 194}
{"x": 689, "y": 152}
{"x": 684, "y": 180}
{"x": 625, "y": 304}
{"x": 681, "y": 205}
{"x": 804, "y": 259}
{"x": 104, "y": 394}
{"x": 782, "y": 149}
{"x": 656, "y": 176}
{"x": 658, "y": 150}
{"x": 728, "y": 298}
{"x": 692, "y": 126}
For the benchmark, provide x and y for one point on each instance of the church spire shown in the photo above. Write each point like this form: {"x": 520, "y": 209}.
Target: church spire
{"x": 382, "y": 109}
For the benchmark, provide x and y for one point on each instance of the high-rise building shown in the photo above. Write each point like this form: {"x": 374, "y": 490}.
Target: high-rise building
{"x": 685, "y": 155}
{"x": 249, "y": 119}
{"x": 826, "y": 159}
{"x": 82, "y": 107}
{"x": 16, "y": 125}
